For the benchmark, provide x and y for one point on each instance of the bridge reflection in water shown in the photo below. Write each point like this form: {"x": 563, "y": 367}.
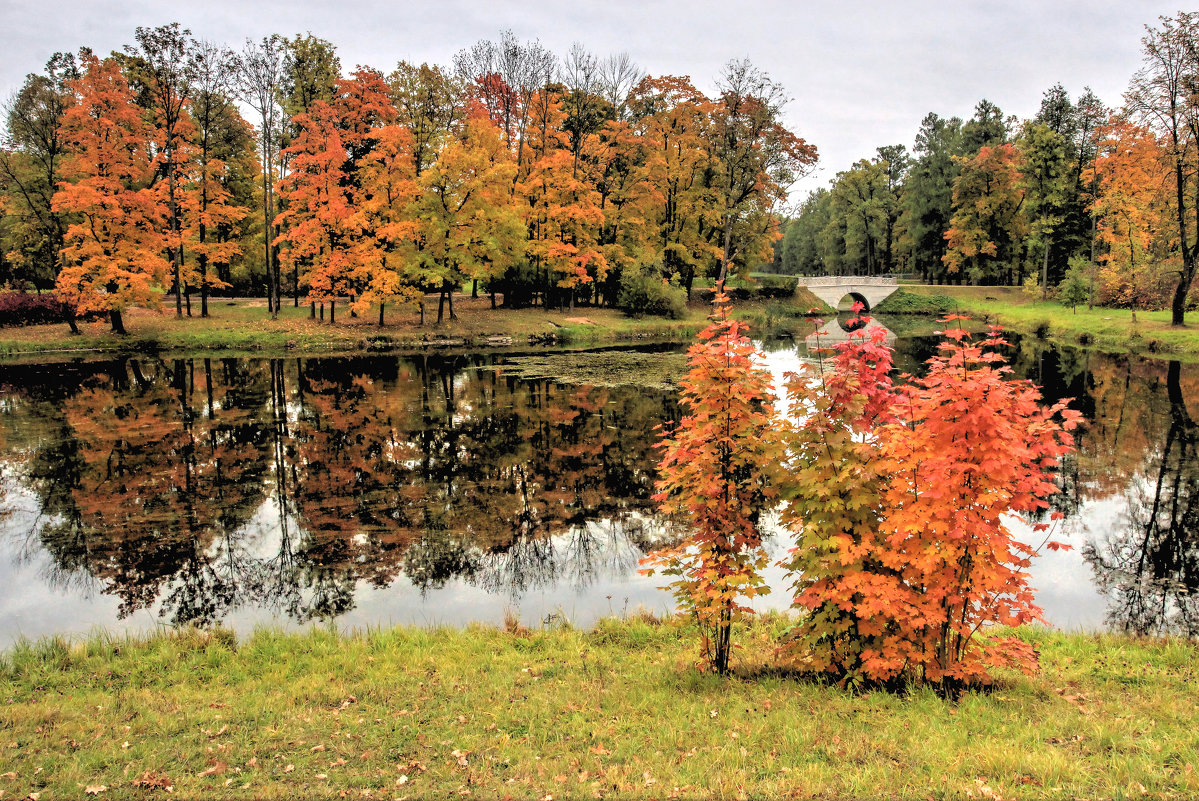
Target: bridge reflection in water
{"x": 833, "y": 332}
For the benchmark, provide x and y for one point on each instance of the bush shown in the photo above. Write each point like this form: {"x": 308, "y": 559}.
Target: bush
{"x": 22, "y": 308}
{"x": 903, "y": 302}
{"x": 646, "y": 294}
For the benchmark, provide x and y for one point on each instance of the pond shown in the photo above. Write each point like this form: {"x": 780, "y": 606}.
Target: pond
{"x": 448, "y": 488}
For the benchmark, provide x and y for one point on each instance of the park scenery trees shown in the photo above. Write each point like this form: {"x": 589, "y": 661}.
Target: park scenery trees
{"x": 542, "y": 181}
{"x": 624, "y": 182}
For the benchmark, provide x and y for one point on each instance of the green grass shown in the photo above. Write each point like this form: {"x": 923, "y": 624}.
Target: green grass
{"x": 1112, "y": 330}
{"x": 612, "y": 712}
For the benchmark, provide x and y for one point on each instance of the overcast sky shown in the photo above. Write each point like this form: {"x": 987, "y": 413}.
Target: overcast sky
{"x": 861, "y": 73}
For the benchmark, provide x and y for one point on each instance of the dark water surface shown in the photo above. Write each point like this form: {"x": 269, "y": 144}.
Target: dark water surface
{"x": 445, "y": 488}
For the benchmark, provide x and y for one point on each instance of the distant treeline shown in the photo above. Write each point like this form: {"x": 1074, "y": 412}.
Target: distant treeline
{"x": 1105, "y": 198}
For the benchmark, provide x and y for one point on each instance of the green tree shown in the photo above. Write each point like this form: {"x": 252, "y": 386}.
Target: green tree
{"x": 927, "y": 203}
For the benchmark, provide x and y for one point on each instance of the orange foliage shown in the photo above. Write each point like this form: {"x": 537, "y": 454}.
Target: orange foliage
{"x": 1134, "y": 218}
{"x": 113, "y": 254}
{"x": 904, "y": 550}
{"x": 717, "y": 469}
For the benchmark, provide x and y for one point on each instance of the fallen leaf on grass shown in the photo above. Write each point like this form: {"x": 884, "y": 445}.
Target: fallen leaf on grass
{"x": 95, "y": 789}
{"x": 9, "y": 775}
{"x": 154, "y": 781}
{"x": 289, "y": 768}
{"x": 599, "y": 749}
{"x": 215, "y": 768}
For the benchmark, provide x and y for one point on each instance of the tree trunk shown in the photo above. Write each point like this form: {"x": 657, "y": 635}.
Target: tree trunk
{"x": 441, "y": 304}
{"x": 72, "y": 323}
{"x": 203, "y": 286}
{"x": 312, "y": 311}
{"x": 118, "y": 325}
{"x": 381, "y": 305}
{"x": 332, "y": 312}
{"x": 493, "y": 300}
{"x": 1178, "y": 306}
{"x": 474, "y": 288}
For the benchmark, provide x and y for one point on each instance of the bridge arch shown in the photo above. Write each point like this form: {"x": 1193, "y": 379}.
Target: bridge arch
{"x": 854, "y": 297}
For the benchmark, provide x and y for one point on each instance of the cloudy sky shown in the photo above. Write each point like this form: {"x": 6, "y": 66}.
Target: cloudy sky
{"x": 861, "y": 73}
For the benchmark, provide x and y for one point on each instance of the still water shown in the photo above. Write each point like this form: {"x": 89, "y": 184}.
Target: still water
{"x": 441, "y": 489}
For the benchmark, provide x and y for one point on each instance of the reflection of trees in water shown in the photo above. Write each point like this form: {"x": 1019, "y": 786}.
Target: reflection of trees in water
{"x": 201, "y": 486}
{"x": 1151, "y": 567}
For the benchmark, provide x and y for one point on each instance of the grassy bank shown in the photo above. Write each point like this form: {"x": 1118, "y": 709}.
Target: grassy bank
{"x": 1112, "y": 330}
{"x": 244, "y": 326}
{"x": 612, "y": 712}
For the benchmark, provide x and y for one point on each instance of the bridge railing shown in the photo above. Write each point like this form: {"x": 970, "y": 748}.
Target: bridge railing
{"x": 847, "y": 280}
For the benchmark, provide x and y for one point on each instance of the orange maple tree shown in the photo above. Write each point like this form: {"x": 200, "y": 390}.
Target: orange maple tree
{"x": 113, "y": 251}
{"x": 717, "y": 471}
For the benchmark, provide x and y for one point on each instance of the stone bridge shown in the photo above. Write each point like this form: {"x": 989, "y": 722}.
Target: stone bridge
{"x": 832, "y": 289}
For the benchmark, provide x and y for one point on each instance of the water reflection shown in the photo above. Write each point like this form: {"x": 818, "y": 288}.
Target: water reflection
{"x": 200, "y": 486}
{"x": 1149, "y": 564}
{"x": 441, "y": 488}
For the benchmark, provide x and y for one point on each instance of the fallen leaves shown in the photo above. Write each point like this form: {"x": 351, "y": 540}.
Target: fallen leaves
{"x": 95, "y": 789}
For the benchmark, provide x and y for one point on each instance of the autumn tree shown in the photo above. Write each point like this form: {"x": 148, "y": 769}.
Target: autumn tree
{"x": 466, "y": 224}
{"x": 387, "y": 188}
{"x": 112, "y": 254}
{"x": 671, "y": 117}
{"x": 562, "y": 210}
{"x": 1133, "y": 209}
{"x": 717, "y": 472}
{"x": 1162, "y": 97}
{"x": 987, "y": 223}
{"x": 755, "y": 160}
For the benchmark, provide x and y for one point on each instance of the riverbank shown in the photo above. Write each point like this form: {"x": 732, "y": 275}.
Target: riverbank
{"x": 1109, "y": 330}
{"x": 245, "y": 327}
{"x": 612, "y": 712}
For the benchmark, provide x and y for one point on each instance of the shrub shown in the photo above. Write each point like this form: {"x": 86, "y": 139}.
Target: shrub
{"x": 647, "y": 294}
{"x": 903, "y": 302}
{"x": 22, "y": 308}
{"x": 898, "y": 496}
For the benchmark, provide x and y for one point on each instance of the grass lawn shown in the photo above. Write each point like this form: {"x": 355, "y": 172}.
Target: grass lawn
{"x": 612, "y": 712}
{"x": 1115, "y": 330}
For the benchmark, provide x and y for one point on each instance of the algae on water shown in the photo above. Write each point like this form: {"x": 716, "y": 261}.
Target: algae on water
{"x": 656, "y": 370}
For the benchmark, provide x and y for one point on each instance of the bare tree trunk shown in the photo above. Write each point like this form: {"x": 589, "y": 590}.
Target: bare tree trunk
{"x": 118, "y": 325}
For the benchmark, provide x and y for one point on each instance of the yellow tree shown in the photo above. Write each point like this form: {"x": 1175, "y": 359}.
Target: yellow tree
{"x": 113, "y": 252}
{"x": 466, "y": 224}
{"x": 1132, "y": 211}
{"x": 672, "y": 116}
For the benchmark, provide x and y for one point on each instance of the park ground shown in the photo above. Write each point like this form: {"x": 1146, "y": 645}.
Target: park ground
{"x": 616, "y": 711}
{"x": 244, "y": 326}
